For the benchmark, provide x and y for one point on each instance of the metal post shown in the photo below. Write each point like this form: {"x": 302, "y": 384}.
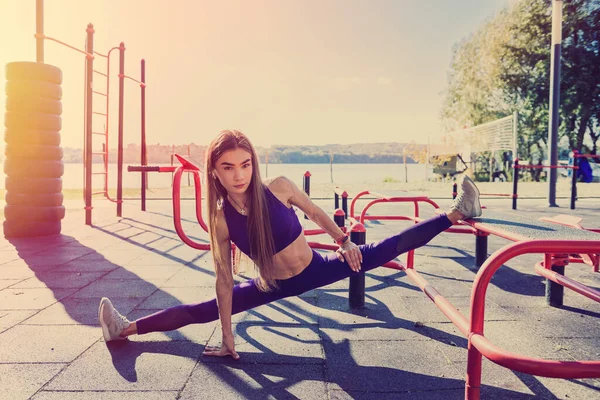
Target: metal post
{"x": 339, "y": 218}
{"x": 89, "y": 63}
{"x": 454, "y": 190}
{"x": 515, "y": 183}
{"x": 481, "y": 247}
{"x": 574, "y": 179}
{"x": 39, "y": 31}
{"x": 144, "y": 158}
{"x": 554, "y": 99}
{"x": 120, "y": 138}
{"x": 345, "y": 202}
{"x": 336, "y": 200}
{"x": 307, "y": 186}
{"x": 356, "y": 291}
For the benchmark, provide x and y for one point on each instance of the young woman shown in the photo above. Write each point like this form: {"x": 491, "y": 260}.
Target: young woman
{"x": 258, "y": 217}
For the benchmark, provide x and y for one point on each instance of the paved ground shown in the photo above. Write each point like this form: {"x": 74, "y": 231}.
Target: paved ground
{"x": 311, "y": 347}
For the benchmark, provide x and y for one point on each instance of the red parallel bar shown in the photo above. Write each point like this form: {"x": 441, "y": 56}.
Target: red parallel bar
{"x": 322, "y": 246}
{"x": 498, "y": 194}
{"x": 150, "y": 168}
{"x": 101, "y": 73}
{"x": 99, "y": 113}
{"x": 98, "y": 173}
{"x": 99, "y": 133}
{"x": 310, "y": 232}
{"x": 568, "y": 282}
{"x": 102, "y": 192}
{"x": 100, "y": 93}
{"x": 545, "y": 166}
{"x": 536, "y": 366}
{"x": 444, "y": 305}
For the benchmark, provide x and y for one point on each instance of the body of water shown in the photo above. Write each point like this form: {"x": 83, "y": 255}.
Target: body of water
{"x": 320, "y": 173}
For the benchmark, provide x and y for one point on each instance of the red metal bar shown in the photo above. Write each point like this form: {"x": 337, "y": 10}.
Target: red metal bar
{"x": 143, "y": 157}
{"x": 151, "y": 168}
{"x": 89, "y": 62}
{"x": 479, "y": 346}
{"x": 87, "y": 55}
{"x": 177, "y": 209}
{"x": 120, "y": 134}
{"x": 567, "y": 282}
{"x": 101, "y": 73}
{"x": 100, "y": 93}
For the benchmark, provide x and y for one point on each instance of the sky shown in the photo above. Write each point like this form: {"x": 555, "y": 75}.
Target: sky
{"x": 286, "y": 72}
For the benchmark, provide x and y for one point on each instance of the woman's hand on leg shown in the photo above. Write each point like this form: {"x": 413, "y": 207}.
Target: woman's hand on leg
{"x": 227, "y": 348}
{"x": 351, "y": 253}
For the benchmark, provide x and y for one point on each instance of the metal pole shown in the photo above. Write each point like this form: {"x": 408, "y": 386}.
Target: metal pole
{"x": 120, "y": 138}
{"x": 39, "y": 31}
{"x": 554, "y": 99}
{"x": 144, "y": 156}
{"x": 574, "y": 179}
{"x": 89, "y": 62}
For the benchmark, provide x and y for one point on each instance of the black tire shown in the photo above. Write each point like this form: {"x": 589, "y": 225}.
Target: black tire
{"x": 34, "y": 152}
{"x": 32, "y": 213}
{"x": 32, "y": 71}
{"x": 32, "y": 186}
{"x": 31, "y": 120}
{"x": 32, "y": 137}
{"x": 35, "y": 200}
{"x": 31, "y": 228}
{"x": 27, "y": 104}
{"x": 23, "y": 167}
{"x": 33, "y": 89}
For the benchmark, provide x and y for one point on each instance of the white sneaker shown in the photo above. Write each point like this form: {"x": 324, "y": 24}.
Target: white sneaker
{"x": 467, "y": 201}
{"x": 111, "y": 321}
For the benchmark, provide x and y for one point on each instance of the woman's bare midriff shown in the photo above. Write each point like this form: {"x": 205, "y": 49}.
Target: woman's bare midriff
{"x": 293, "y": 259}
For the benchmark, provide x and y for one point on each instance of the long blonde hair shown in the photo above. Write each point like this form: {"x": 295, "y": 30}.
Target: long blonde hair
{"x": 262, "y": 247}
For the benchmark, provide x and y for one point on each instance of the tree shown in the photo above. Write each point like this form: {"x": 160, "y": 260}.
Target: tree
{"x": 505, "y": 67}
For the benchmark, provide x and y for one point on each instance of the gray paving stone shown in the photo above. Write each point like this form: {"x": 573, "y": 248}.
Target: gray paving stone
{"x": 31, "y": 299}
{"x": 105, "y": 395}
{"x": 169, "y": 297}
{"x": 21, "y": 381}
{"x": 191, "y": 276}
{"x": 145, "y": 272}
{"x": 4, "y": 283}
{"x": 81, "y": 265}
{"x": 426, "y": 311}
{"x": 59, "y": 280}
{"x": 20, "y": 270}
{"x": 288, "y": 310}
{"x": 50, "y": 344}
{"x": 273, "y": 344}
{"x": 8, "y": 319}
{"x": 130, "y": 366}
{"x": 256, "y": 381}
{"x": 153, "y": 259}
{"x": 391, "y": 366}
{"x": 117, "y": 289}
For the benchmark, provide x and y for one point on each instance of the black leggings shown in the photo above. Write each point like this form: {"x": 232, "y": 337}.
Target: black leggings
{"x": 322, "y": 271}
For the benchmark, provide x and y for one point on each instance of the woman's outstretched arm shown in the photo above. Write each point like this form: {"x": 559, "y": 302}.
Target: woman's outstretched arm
{"x": 224, "y": 288}
{"x": 348, "y": 251}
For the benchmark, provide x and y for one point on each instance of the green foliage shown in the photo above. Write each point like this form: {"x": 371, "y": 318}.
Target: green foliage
{"x": 505, "y": 67}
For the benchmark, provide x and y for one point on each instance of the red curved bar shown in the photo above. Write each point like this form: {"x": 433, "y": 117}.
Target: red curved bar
{"x": 177, "y": 208}
{"x": 536, "y": 366}
{"x": 567, "y": 282}
{"x": 479, "y": 346}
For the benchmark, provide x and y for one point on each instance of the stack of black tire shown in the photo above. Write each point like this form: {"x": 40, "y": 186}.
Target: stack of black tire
{"x": 33, "y": 163}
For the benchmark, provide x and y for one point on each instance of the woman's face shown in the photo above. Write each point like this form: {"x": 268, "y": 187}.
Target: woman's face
{"x": 234, "y": 170}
